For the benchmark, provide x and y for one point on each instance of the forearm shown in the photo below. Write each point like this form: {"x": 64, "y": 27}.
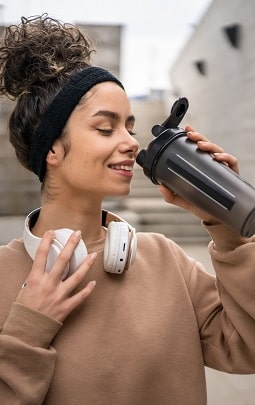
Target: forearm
{"x": 223, "y": 238}
{"x": 26, "y": 360}
{"x": 233, "y": 259}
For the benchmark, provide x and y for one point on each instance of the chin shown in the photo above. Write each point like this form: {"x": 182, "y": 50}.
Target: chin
{"x": 120, "y": 193}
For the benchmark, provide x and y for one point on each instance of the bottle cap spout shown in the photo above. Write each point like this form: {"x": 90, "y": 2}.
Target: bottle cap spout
{"x": 178, "y": 111}
{"x": 140, "y": 159}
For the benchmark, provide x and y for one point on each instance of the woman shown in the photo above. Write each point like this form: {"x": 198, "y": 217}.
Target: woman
{"x": 139, "y": 337}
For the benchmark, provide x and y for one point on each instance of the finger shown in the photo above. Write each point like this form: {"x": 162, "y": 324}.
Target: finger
{"x": 42, "y": 253}
{"x": 230, "y": 160}
{"x": 76, "y": 300}
{"x": 79, "y": 275}
{"x": 209, "y": 147}
{"x": 195, "y": 136}
{"x": 172, "y": 198}
{"x": 168, "y": 194}
{"x": 189, "y": 128}
{"x": 65, "y": 255}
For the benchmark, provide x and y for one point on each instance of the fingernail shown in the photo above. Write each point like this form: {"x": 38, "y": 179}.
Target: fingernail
{"x": 93, "y": 255}
{"x": 77, "y": 233}
{"x": 94, "y": 282}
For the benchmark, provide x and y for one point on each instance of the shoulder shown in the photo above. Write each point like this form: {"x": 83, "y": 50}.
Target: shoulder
{"x": 151, "y": 237}
{"x": 155, "y": 241}
{"x": 160, "y": 261}
{"x": 155, "y": 247}
{"x": 13, "y": 248}
{"x": 15, "y": 264}
{"x": 14, "y": 258}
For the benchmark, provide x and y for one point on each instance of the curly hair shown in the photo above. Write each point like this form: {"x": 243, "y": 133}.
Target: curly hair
{"x": 37, "y": 57}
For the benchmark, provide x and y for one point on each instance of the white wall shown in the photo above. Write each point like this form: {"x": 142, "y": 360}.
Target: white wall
{"x": 222, "y": 102}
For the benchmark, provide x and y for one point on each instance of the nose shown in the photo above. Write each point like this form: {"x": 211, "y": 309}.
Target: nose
{"x": 129, "y": 144}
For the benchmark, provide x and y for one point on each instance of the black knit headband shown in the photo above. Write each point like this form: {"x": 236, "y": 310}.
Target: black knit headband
{"x": 56, "y": 116}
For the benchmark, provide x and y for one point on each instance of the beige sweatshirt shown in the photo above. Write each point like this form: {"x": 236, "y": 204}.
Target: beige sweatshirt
{"x": 141, "y": 338}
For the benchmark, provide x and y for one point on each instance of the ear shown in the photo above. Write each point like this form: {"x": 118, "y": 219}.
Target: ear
{"x": 55, "y": 154}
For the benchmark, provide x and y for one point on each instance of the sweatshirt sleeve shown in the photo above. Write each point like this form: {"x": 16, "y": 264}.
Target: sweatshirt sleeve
{"x": 26, "y": 359}
{"x": 227, "y": 319}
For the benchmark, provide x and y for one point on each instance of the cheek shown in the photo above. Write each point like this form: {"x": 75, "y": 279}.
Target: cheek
{"x": 85, "y": 165}
{"x": 78, "y": 156}
{"x": 89, "y": 158}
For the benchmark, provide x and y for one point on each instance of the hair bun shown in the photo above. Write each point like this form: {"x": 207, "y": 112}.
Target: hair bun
{"x": 38, "y": 50}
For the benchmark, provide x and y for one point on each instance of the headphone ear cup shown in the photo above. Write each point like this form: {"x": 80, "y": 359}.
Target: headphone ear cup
{"x": 132, "y": 248}
{"x": 116, "y": 249}
{"x": 32, "y": 242}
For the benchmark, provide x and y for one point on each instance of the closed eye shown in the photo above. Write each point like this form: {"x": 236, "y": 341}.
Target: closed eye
{"x": 132, "y": 133}
{"x": 110, "y": 131}
{"x": 105, "y": 131}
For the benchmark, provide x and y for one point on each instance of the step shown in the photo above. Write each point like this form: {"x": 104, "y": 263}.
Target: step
{"x": 148, "y": 204}
{"x": 180, "y": 234}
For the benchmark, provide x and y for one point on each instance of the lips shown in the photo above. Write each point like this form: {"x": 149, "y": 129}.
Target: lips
{"x": 125, "y": 165}
{"x": 128, "y": 168}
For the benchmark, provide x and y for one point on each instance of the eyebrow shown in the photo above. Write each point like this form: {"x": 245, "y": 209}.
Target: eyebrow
{"x": 113, "y": 115}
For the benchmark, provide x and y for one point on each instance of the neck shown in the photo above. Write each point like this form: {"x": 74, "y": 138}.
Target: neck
{"x": 87, "y": 219}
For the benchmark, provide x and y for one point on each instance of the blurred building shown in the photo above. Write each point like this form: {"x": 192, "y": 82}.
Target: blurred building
{"x": 216, "y": 72}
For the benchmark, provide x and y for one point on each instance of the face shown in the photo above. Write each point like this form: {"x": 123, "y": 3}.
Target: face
{"x": 102, "y": 145}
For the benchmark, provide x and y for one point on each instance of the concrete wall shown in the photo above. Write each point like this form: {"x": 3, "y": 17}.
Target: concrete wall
{"x": 107, "y": 42}
{"x": 19, "y": 189}
{"x": 222, "y": 100}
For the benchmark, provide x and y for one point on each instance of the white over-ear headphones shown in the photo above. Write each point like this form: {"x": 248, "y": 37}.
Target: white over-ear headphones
{"x": 119, "y": 249}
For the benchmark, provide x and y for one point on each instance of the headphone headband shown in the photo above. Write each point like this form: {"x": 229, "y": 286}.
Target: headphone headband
{"x": 107, "y": 217}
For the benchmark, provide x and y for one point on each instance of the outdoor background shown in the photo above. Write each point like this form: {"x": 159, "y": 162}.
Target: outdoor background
{"x": 161, "y": 50}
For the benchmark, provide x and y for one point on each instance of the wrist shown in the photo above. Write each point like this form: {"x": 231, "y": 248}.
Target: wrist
{"x": 30, "y": 326}
{"x": 224, "y": 238}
